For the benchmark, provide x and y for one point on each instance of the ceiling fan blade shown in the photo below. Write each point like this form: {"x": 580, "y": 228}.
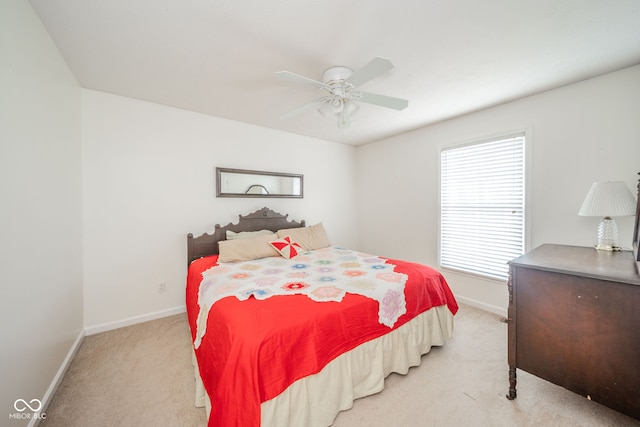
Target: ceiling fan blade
{"x": 382, "y": 100}
{"x": 373, "y": 69}
{"x": 288, "y": 75}
{"x": 304, "y": 107}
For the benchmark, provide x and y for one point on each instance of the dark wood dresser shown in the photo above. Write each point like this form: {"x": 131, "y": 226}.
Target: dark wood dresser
{"x": 574, "y": 320}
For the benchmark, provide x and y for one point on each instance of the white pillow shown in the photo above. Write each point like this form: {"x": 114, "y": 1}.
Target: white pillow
{"x": 232, "y": 235}
{"x": 246, "y": 249}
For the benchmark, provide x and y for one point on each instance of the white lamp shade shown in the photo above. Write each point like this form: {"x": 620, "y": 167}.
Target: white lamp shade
{"x": 607, "y": 199}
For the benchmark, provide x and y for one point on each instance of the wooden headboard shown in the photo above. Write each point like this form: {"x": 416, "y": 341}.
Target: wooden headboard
{"x": 262, "y": 219}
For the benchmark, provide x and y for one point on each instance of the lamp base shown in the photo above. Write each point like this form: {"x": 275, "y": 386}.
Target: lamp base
{"x": 608, "y": 248}
{"x": 607, "y": 235}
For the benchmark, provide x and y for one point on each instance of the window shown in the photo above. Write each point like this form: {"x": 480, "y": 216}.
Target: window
{"x": 482, "y": 205}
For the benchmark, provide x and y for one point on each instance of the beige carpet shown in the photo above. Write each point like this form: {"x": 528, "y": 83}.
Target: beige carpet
{"x": 142, "y": 376}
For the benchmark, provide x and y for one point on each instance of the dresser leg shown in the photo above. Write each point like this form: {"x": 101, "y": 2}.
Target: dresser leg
{"x": 512, "y": 383}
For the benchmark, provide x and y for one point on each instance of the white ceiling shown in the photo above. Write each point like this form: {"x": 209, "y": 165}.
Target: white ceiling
{"x": 451, "y": 57}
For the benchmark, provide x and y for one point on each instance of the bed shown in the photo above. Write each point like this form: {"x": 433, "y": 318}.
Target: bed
{"x": 289, "y": 330}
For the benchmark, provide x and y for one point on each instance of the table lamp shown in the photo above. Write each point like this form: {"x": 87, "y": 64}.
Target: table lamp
{"x": 608, "y": 199}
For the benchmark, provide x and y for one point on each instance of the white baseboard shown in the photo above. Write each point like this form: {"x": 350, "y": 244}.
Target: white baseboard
{"x": 92, "y": 330}
{"x": 500, "y": 311}
{"x": 46, "y": 399}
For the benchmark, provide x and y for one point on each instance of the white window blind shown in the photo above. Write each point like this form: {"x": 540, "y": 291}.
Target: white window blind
{"x": 482, "y": 206}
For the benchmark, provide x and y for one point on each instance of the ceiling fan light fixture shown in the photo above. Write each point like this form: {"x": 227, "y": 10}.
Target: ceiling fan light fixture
{"x": 329, "y": 110}
{"x": 340, "y": 110}
{"x": 350, "y": 107}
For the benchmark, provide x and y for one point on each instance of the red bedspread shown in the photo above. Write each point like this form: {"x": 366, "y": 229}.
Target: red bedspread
{"x": 253, "y": 350}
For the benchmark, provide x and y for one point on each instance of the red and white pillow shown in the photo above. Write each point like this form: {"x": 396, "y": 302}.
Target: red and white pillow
{"x": 287, "y": 247}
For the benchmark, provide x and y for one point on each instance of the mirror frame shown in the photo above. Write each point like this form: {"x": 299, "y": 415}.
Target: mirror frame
{"x": 220, "y": 193}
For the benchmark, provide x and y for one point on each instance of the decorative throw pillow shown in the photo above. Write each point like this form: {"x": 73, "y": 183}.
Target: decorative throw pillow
{"x": 310, "y": 238}
{"x": 286, "y": 247}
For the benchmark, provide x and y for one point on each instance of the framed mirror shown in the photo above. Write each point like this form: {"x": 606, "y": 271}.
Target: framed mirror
{"x": 249, "y": 183}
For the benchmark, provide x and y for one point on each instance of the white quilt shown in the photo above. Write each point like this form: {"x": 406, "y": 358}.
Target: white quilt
{"x": 323, "y": 275}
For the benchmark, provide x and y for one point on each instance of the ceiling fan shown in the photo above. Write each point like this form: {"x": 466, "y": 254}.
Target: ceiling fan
{"x": 341, "y": 87}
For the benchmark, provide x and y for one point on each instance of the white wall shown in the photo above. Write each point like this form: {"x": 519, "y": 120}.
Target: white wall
{"x": 40, "y": 209}
{"x": 149, "y": 179}
{"x": 582, "y": 133}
